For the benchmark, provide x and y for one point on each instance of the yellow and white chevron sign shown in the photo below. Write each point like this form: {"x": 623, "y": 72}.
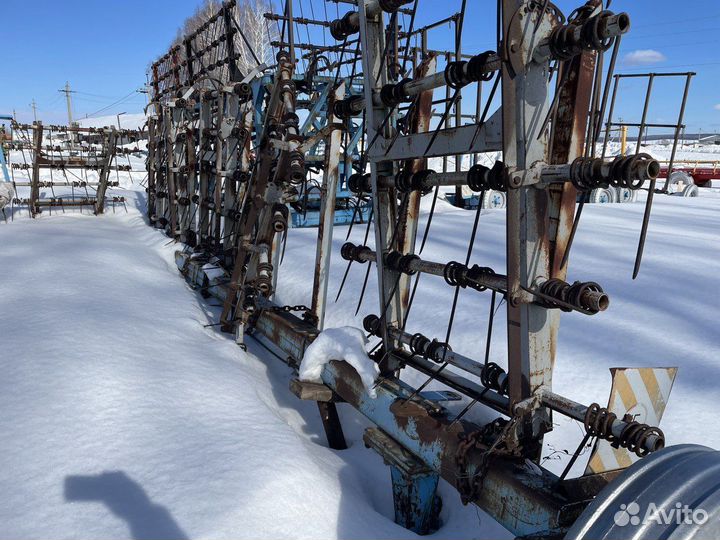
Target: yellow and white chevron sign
{"x": 640, "y": 392}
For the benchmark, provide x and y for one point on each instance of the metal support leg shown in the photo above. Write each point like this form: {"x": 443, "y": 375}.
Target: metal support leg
{"x": 414, "y": 484}
{"x": 332, "y": 425}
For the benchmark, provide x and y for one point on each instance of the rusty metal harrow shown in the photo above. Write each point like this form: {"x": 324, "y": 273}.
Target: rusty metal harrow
{"x": 80, "y": 162}
{"x": 229, "y": 155}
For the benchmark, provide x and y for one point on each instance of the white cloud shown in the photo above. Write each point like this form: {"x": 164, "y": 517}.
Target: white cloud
{"x": 643, "y": 57}
{"x": 717, "y": 107}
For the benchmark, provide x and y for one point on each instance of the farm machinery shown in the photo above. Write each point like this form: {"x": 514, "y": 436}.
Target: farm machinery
{"x": 229, "y": 156}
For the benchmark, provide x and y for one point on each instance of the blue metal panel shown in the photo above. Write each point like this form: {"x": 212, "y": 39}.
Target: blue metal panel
{"x": 343, "y": 216}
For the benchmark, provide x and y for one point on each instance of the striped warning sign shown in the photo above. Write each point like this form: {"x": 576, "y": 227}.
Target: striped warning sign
{"x": 640, "y": 392}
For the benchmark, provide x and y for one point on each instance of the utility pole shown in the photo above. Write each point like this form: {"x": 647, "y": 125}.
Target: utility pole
{"x": 34, "y": 108}
{"x": 68, "y": 98}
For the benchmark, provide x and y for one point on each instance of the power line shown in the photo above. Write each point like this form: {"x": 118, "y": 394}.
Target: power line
{"x": 118, "y": 102}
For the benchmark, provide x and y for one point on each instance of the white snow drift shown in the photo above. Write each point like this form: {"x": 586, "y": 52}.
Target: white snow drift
{"x": 346, "y": 343}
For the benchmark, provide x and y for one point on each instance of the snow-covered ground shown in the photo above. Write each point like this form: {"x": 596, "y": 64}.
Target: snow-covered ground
{"x": 124, "y": 416}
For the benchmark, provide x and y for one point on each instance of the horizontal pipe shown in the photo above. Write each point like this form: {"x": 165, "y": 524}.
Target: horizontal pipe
{"x": 496, "y": 282}
{"x": 454, "y": 359}
{"x": 576, "y": 411}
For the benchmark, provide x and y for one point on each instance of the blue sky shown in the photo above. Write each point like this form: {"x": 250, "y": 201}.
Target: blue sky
{"x": 103, "y": 48}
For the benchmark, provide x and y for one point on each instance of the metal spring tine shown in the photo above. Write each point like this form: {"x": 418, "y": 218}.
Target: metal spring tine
{"x": 352, "y": 221}
{"x": 403, "y": 210}
{"x": 362, "y": 291}
{"x": 488, "y": 340}
{"x": 284, "y": 244}
{"x": 484, "y": 114}
{"x": 643, "y": 230}
{"x": 410, "y": 302}
{"x": 397, "y": 131}
{"x": 454, "y": 306}
{"x": 429, "y": 221}
{"x": 409, "y": 37}
{"x": 462, "y": 413}
{"x": 377, "y": 134}
{"x": 651, "y": 190}
{"x": 342, "y": 283}
{"x": 576, "y": 222}
{"x": 402, "y": 70}
{"x": 392, "y": 24}
{"x": 575, "y": 455}
{"x": 593, "y": 143}
{"x": 450, "y": 105}
{"x": 367, "y": 233}
{"x": 606, "y": 90}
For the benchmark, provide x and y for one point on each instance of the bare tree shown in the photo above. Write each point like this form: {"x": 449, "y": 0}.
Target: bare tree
{"x": 252, "y": 42}
{"x": 250, "y": 15}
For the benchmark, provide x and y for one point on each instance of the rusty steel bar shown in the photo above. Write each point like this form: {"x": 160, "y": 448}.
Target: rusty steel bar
{"x": 327, "y": 213}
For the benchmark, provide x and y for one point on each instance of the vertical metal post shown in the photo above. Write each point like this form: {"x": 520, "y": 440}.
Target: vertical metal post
{"x": 608, "y": 126}
{"x": 459, "y": 201}
{"x": 234, "y": 72}
{"x": 651, "y": 78}
{"x": 531, "y": 343}
{"x": 327, "y": 213}
{"x": 372, "y": 37}
{"x": 678, "y": 127}
{"x": 110, "y": 144}
{"x": 205, "y": 155}
{"x": 35, "y": 188}
{"x": 152, "y": 122}
{"x": 420, "y": 123}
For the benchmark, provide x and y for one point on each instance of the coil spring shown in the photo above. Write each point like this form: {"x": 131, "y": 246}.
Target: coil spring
{"x": 233, "y": 215}
{"x": 587, "y": 174}
{"x": 568, "y": 294}
{"x": 490, "y": 378}
{"x": 359, "y": 183}
{"x": 430, "y": 349}
{"x": 241, "y": 177}
{"x": 566, "y": 42}
{"x": 462, "y": 73}
{"x": 406, "y": 181}
{"x": 347, "y": 108}
{"x": 401, "y": 263}
{"x": 478, "y": 177}
{"x": 482, "y": 178}
{"x": 598, "y": 422}
{"x": 345, "y": 27}
{"x": 243, "y": 91}
{"x": 297, "y": 167}
{"x": 291, "y": 120}
{"x": 351, "y": 252}
{"x": 394, "y": 94}
{"x": 264, "y": 282}
{"x": 371, "y": 324}
{"x": 457, "y": 274}
{"x": 280, "y": 217}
